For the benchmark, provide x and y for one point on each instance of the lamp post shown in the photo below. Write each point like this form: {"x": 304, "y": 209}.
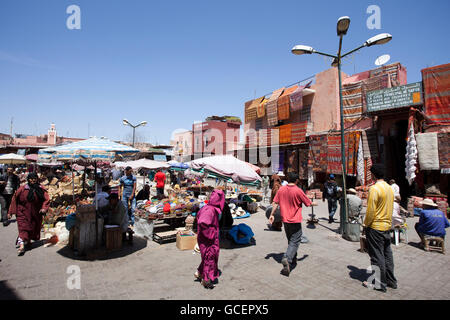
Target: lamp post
{"x": 127, "y": 123}
{"x": 342, "y": 27}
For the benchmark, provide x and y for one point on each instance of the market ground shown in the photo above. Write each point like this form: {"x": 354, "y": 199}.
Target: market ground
{"x": 329, "y": 267}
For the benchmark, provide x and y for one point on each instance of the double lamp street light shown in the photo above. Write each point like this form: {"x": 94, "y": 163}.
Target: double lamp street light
{"x": 342, "y": 27}
{"x": 127, "y": 123}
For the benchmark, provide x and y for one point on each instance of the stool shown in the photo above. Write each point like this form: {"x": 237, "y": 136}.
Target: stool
{"x": 397, "y": 230}
{"x": 113, "y": 238}
{"x": 435, "y": 244}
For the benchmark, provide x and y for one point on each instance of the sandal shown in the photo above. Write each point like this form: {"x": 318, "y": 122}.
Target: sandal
{"x": 197, "y": 276}
{"x": 21, "y": 250}
{"x": 207, "y": 284}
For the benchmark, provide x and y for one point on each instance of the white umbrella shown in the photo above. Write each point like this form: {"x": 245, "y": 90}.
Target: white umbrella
{"x": 12, "y": 158}
{"x": 228, "y": 166}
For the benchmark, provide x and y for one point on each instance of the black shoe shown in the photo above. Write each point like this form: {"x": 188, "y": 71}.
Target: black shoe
{"x": 286, "y": 268}
{"x": 5, "y": 223}
{"x": 330, "y": 220}
{"x": 392, "y": 285}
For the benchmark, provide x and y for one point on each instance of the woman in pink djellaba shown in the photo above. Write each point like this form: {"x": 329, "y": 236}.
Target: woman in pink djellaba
{"x": 208, "y": 239}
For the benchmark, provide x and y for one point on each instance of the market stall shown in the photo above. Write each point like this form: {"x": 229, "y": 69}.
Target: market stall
{"x": 94, "y": 152}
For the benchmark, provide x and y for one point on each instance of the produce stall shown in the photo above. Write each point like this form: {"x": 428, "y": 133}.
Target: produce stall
{"x": 91, "y": 152}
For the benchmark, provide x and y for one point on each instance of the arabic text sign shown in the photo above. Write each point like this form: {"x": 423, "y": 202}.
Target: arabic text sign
{"x": 391, "y": 98}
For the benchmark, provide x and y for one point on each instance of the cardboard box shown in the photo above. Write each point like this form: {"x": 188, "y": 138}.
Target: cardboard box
{"x": 186, "y": 242}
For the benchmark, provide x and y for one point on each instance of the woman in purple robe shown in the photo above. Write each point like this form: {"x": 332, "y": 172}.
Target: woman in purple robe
{"x": 208, "y": 238}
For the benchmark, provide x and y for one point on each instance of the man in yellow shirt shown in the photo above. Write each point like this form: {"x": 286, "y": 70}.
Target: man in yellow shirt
{"x": 377, "y": 225}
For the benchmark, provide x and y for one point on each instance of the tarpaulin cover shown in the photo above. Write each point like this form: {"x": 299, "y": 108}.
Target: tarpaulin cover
{"x": 269, "y": 136}
{"x": 261, "y": 110}
{"x": 298, "y": 134}
{"x": 352, "y": 101}
{"x": 246, "y": 106}
{"x": 334, "y": 157}
{"x": 285, "y": 133}
{"x": 303, "y": 155}
{"x": 251, "y": 112}
{"x": 227, "y": 166}
{"x": 271, "y": 108}
{"x": 296, "y": 97}
{"x": 318, "y": 155}
{"x": 284, "y": 103}
{"x": 427, "y": 147}
{"x": 444, "y": 150}
{"x": 436, "y": 82}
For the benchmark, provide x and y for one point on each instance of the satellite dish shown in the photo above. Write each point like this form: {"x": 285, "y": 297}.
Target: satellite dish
{"x": 382, "y": 59}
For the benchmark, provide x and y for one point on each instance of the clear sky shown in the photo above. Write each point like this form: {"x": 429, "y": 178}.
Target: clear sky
{"x": 175, "y": 62}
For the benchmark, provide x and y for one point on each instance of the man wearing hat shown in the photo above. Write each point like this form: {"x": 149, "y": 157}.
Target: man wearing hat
{"x": 432, "y": 221}
{"x": 354, "y": 204}
{"x": 330, "y": 192}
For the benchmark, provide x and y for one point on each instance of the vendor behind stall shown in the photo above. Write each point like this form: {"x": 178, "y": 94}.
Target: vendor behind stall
{"x": 115, "y": 212}
{"x": 144, "y": 194}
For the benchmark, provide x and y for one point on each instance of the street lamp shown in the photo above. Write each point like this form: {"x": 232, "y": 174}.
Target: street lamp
{"x": 342, "y": 27}
{"x": 128, "y": 123}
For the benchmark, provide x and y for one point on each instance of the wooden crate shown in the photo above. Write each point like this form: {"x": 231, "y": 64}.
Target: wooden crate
{"x": 113, "y": 238}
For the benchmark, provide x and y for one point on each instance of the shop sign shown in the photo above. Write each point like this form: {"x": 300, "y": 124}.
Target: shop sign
{"x": 391, "y": 98}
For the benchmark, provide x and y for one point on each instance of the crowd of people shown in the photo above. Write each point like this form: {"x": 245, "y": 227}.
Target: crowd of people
{"x": 29, "y": 202}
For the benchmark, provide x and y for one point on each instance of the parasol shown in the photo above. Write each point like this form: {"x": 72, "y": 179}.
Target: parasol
{"x": 12, "y": 158}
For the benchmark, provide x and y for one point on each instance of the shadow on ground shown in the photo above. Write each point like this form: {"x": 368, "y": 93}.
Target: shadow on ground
{"x": 358, "y": 274}
{"x": 102, "y": 254}
{"x": 7, "y": 293}
{"x": 226, "y": 243}
{"x": 278, "y": 256}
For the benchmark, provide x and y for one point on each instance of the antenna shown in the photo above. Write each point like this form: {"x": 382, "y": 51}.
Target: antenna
{"x": 382, "y": 60}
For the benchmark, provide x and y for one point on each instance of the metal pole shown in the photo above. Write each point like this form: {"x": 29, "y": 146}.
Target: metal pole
{"x": 344, "y": 167}
{"x": 134, "y": 128}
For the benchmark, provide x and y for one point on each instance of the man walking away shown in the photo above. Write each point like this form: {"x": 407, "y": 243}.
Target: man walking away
{"x": 330, "y": 192}
{"x": 377, "y": 225}
{"x": 160, "y": 179}
{"x": 9, "y": 183}
{"x": 290, "y": 198}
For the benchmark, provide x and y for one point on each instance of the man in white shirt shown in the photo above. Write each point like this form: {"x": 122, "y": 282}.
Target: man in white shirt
{"x": 102, "y": 196}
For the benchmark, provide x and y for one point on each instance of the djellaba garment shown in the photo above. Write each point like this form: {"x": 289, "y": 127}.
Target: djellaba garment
{"x": 208, "y": 237}
{"x": 26, "y": 204}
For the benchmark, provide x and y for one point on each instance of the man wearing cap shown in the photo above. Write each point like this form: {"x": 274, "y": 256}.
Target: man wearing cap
{"x": 432, "y": 221}
{"x": 354, "y": 204}
{"x": 290, "y": 198}
{"x": 330, "y": 192}
{"x": 377, "y": 226}
{"x": 127, "y": 192}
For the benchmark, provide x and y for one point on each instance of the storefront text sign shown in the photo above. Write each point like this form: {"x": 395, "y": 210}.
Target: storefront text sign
{"x": 391, "y": 98}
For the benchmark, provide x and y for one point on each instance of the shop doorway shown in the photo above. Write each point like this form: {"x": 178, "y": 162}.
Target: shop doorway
{"x": 396, "y": 157}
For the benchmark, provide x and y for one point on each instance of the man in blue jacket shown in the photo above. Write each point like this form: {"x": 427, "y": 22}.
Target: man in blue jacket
{"x": 432, "y": 221}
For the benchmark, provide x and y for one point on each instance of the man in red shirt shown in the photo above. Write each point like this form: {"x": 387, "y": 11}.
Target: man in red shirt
{"x": 160, "y": 179}
{"x": 290, "y": 199}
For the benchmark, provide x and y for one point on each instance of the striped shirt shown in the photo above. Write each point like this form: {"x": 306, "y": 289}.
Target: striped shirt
{"x": 380, "y": 204}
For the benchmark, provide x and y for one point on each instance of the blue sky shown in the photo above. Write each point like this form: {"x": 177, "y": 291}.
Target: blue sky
{"x": 175, "y": 62}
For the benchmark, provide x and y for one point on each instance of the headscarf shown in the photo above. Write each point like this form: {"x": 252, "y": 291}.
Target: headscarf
{"x": 34, "y": 188}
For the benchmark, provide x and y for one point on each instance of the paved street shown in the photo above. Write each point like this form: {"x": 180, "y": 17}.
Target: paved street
{"x": 329, "y": 268}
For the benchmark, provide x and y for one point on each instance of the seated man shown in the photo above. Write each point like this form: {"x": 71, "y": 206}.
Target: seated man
{"x": 102, "y": 197}
{"x": 115, "y": 213}
{"x": 144, "y": 194}
{"x": 432, "y": 222}
{"x": 354, "y": 205}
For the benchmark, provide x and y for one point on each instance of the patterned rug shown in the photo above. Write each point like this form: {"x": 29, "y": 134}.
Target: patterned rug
{"x": 271, "y": 108}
